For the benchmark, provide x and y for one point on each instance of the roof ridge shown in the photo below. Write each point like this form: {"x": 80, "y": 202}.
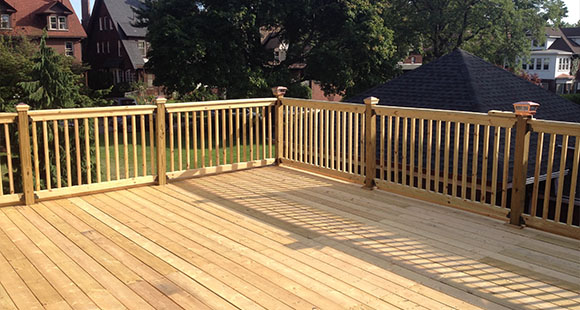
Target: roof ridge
{"x": 469, "y": 76}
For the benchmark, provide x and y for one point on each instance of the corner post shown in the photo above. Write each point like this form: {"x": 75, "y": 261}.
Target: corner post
{"x": 161, "y": 157}
{"x": 279, "y": 92}
{"x": 370, "y": 141}
{"x": 522, "y": 148}
{"x": 25, "y": 153}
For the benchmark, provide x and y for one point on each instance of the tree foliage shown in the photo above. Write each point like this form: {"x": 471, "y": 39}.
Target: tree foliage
{"x": 346, "y": 44}
{"x": 16, "y": 66}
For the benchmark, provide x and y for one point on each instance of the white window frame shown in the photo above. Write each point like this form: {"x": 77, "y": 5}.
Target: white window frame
{"x": 69, "y": 51}
{"x": 98, "y": 48}
{"x": 62, "y": 23}
{"x": 144, "y": 50}
{"x": 100, "y": 23}
{"x": 546, "y": 65}
{"x": 51, "y": 25}
{"x": 538, "y": 63}
{"x": 5, "y": 24}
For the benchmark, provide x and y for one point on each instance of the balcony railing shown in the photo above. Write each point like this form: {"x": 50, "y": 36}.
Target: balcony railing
{"x": 473, "y": 161}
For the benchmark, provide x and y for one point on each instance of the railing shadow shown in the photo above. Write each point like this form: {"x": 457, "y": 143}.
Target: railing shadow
{"x": 320, "y": 213}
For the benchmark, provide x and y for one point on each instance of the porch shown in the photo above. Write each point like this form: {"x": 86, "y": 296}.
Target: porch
{"x": 275, "y": 238}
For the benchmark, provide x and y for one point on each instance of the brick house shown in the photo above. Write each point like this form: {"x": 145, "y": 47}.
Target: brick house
{"x": 28, "y": 18}
{"x": 115, "y": 48}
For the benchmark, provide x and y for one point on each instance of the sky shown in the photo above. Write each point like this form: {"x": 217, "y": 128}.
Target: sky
{"x": 573, "y": 9}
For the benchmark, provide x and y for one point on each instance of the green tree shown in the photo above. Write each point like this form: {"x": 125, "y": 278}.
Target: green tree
{"x": 16, "y": 66}
{"x": 52, "y": 84}
{"x": 345, "y": 44}
{"x": 497, "y": 30}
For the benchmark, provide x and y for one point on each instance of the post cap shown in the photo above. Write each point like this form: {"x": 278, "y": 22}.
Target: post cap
{"x": 279, "y": 91}
{"x": 526, "y": 108}
{"x": 21, "y": 107}
{"x": 160, "y": 99}
{"x": 371, "y": 100}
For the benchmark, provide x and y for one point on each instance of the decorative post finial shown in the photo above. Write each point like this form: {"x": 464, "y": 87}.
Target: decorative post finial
{"x": 526, "y": 108}
{"x": 279, "y": 91}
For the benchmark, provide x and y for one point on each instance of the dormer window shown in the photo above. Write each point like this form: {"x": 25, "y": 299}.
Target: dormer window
{"x": 57, "y": 23}
{"x": 143, "y": 47}
{"x": 5, "y": 21}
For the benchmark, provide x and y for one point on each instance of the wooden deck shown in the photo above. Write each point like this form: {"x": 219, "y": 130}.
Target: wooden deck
{"x": 275, "y": 238}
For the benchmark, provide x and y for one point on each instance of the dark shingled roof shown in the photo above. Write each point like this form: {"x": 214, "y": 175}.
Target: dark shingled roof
{"x": 461, "y": 81}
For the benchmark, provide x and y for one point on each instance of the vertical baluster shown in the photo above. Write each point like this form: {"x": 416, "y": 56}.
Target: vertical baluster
{"x": 412, "y": 152}
{"x": 457, "y": 126}
{"x": 209, "y": 138}
{"x": 396, "y": 148}
{"x": 187, "y": 144}
{"x": 301, "y": 134}
{"x": 560, "y": 192}
{"x": 389, "y": 142}
{"x": 87, "y": 150}
{"x": 202, "y": 137}
{"x": 9, "y": 159}
{"x": 2, "y": 181}
{"x": 404, "y": 145}
{"x": 46, "y": 158}
{"x": 332, "y": 138}
{"x": 231, "y": 134}
{"x": 351, "y": 146}
{"x": 217, "y": 137}
{"x": 57, "y": 153}
{"x": 179, "y": 143}
{"x": 97, "y": 149}
{"x": 466, "y": 133}
{"x": 363, "y": 146}
{"x": 238, "y": 145}
{"x": 446, "y": 158}
{"x": 36, "y": 158}
{"x": 310, "y": 136}
{"x": 326, "y": 139}
{"x": 244, "y": 135}
{"x": 263, "y": 133}
{"x": 271, "y": 132}
{"x": 344, "y": 130}
{"x": 223, "y": 136}
{"x": 171, "y": 143}
{"x": 152, "y": 144}
{"x": 475, "y": 160}
{"x": 257, "y": 132}
{"x": 357, "y": 139}
{"x": 338, "y": 140}
{"x": 143, "y": 145}
{"x": 107, "y": 154}
{"x": 420, "y": 155}
{"x": 496, "y": 136}
{"x": 251, "y": 129}
{"x": 316, "y": 116}
{"x": 287, "y": 132}
{"x": 574, "y": 182}
{"x": 485, "y": 159}
{"x": 437, "y": 155}
{"x": 429, "y": 170}
{"x": 116, "y": 147}
{"x": 506, "y": 165}
{"x": 382, "y": 135}
{"x": 126, "y": 146}
{"x": 194, "y": 135}
{"x": 67, "y": 151}
{"x": 134, "y": 142}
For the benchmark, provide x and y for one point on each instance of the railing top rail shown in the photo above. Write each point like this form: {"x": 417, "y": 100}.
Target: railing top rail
{"x": 326, "y": 105}
{"x": 219, "y": 105}
{"x": 555, "y": 127}
{"x": 8, "y": 118}
{"x": 62, "y": 114}
{"x": 492, "y": 118}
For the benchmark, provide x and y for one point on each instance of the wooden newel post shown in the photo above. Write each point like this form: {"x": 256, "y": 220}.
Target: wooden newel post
{"x": 522, "y": 150}
{"x": 160, "y": 133}
{"x": 370, "y": 141}
{"x": 279, "y": 92}
{"x": 25, "y": 153}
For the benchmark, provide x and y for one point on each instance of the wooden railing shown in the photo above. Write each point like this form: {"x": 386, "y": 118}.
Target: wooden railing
{"x": 218, "y": 136}
{"x": 473, "y": 161}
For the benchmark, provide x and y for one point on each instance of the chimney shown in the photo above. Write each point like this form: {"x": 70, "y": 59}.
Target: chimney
{"x": 86, "y": 13}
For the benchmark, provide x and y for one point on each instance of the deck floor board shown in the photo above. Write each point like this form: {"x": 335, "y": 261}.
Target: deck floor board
{"x": 275, "y": 238}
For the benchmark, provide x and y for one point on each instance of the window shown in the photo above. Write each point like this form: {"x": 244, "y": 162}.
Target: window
{"x": 98, "y": 47}
{"x": 524, "y": 66}
{"x": 110, "y": 24}
{"x": 143, "y": 48}
{"x": 546, "y": 63}
{"x": 108, "y": 48}
{"x": 57, "y": 23}
{"x": 413, "y": 59}
{"x": 53, "y": 22}
{"x": 539, "y": 64}
{"x": 100, "y": 23}
{"x": 62, "y": 23}
{"x": 531, "y": 64}
{"x": 69, "y": 49}
{"x": 4, "y": 21}
{"x": 119, "y": 48}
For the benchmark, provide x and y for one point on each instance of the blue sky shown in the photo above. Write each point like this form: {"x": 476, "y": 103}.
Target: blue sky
{"x": 573, "y": 9}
